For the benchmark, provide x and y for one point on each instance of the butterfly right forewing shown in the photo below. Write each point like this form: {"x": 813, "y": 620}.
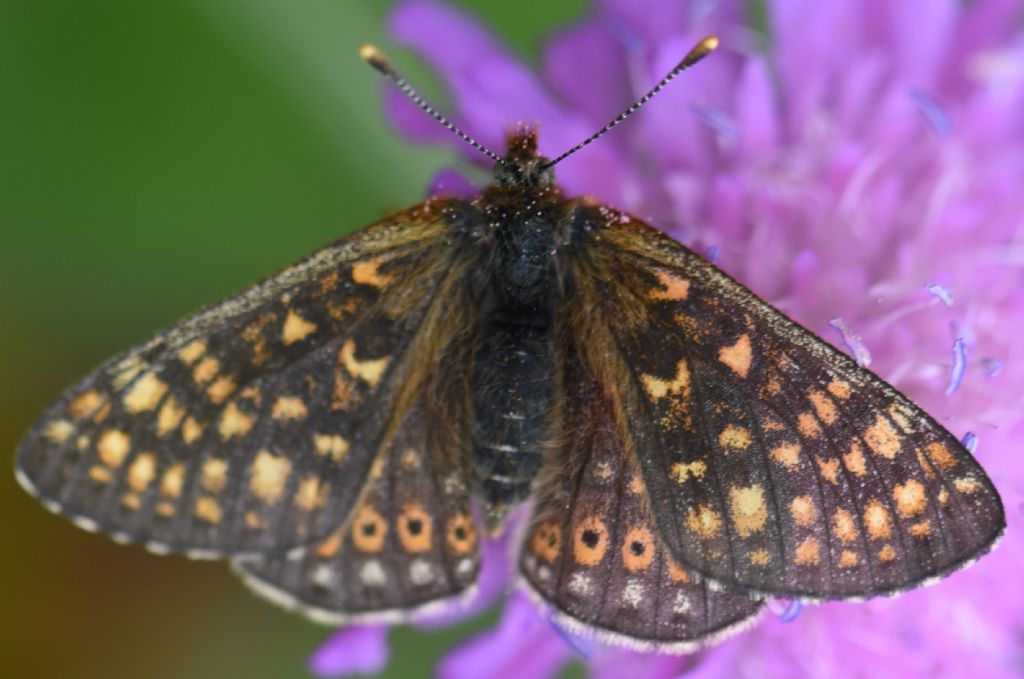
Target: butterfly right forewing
{"x": 775, "y": 464}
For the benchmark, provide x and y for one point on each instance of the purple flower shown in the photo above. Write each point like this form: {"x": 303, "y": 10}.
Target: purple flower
{"x": 866, "y": 165}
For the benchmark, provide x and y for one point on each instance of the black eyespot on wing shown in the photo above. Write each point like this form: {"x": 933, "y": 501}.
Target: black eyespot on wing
{"x": 775, "y": 464}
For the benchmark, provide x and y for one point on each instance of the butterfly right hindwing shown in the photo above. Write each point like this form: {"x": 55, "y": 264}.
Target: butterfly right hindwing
{"x": 592, "y": 549}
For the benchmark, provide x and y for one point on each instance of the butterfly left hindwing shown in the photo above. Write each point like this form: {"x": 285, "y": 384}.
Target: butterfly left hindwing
{"x": 252, "y": 425}
{"x": 775, "y": 465}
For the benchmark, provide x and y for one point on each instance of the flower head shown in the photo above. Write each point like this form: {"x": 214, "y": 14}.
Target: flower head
{"x": 854, "y": 162}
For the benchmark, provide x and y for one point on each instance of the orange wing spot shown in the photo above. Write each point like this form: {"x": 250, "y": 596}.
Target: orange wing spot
{"x": 208, "y": 510}
{"x": 882, "y": 438}
{"x": 658, "y": 388}
{"x": 289, "y": 408}
{"x": 940, "y": 455}
{"x": 311, "y": 493}
{"x": 704, "y": 521}
{"x": 131, "y": 501}
{"x": 205, "y": 370}
{"x": 330, "y": 445}
{"x": 215, "y": 474}
{"x": 331, "y": 545}
{"x": 145, "y": 394}
{"x": 268, "y": 476}
{"x": 173, "y": 480}
{"x": 843, "y": 526}
{"x": 233, "y": 423}
{"x": 169, "y": 417}
{"x": 99, "y": 474}
{"x": 296, "y": 328}
{"x": 590, "y": 541}
{"x": 369, "y": 371}
{"x": 85, "y": 404}
{"x": 887, "y": 554}
{"x": 369, "y": 530}
{"x": 546, "y": 542}
{"x": 461, "y": 535}
{"x": 943, "y": 497}
{"x": 636, "y": 485}
{"x": 113, "y": 447}
{"x": 254, "y": 334}
{"x": 638, "y": 549}
{"x": 854, "y": 460}
{"x": 603, "y": 471}
{"x": 254, "y": 521}
{"x": 749, "y": 513}
{"x": 925, "y": 465}
{"x": 829, "y": 469}
{"x": 164, "y": 508}
{"x": 368, "y": 273}
{"x": 823, "y": 406}
{"x": 967, "y": 484}
{"x": 58, "y": 431}
{"x": 787, "y": 454}
{"x": 142, "y": 471}
{"x": 840, "y": 390}
{"x": 760, "y": 557}
{"x": 676, "y": 573}
{"x": 911, "y": 498}
{"x": 803, "y": 511}
{"x": 737, "y": 356}
{"x": 771, "y": 424}
{"x": 848, "y": 559}
{"x": 221, "y": 388}
{"x": 191, "y": 430}
{"x": 772, "y": 387}
{"x": 808, "y": 426}
{"x": 808, "y": 553}
{"x": 671, "y": 288}
{"x": 415, "y": 529}
{"x": 102, "y": 413}
{"x": 921, "y": 529}
{"x": 877, "y": 521}
{"x": 734, "y": 438}
{"x": 192, "y": 351}
{"x": 82, "y": 442}
{"x": 682, "y": 471}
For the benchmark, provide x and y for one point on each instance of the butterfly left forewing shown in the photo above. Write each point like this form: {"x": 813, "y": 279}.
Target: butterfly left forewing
{"x": 209, "y": 438}
{"x": 592, "y": 550}
{"x": 775, "y": 464}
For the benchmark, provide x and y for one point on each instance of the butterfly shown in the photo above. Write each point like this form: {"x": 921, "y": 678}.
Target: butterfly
{"x": 350, "y": 430}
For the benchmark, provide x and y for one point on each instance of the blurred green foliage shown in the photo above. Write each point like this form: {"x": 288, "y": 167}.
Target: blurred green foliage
{"x": 155, "y": 157}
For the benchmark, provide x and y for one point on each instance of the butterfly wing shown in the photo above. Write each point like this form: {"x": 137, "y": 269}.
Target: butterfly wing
{"x": 253, "y": 424}
{"x": 410, "y": 544}
{"x": 774, "y": 463}
{"x": 592, "y": 549}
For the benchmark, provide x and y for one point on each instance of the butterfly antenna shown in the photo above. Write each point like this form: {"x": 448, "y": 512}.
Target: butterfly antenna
{"x": 374, "y": 57}
{"x": 700, "y": 50}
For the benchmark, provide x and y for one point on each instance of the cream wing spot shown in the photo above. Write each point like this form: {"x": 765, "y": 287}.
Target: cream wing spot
{"x": 911, "y": 498}
{"x": 808, "y": 553}
{"x": 268, "y": 476}
{"x": 234, "y": 423}
{"x": 682, "y": 471}
{"x": 330, "y": 445}
{"x": 169, "y": 416}
{"x": 289, "y": 408}
{"x": 734, "y": 438}
{"x": 215, "y": 474}
{"x": 112, "y": 447}
{"x": 192, "y": 351}
{"x": 145, "y": 394}
{"x": 877, "y": 521}
{"x": 658, "y": 388}
{"x": 296, "y": 328}
{"x": 787, "y": 455}
{"x": 142, "y": 471}
{"x": 205, "y": 370}
{"x": 803, "y": 511}
{"x": 749, "y": 512}
{"x": 58, "y": 431}
{"x": 221, "y": 388}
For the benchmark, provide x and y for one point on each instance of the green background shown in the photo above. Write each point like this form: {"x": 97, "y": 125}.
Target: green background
{"x": 155, "y": 157}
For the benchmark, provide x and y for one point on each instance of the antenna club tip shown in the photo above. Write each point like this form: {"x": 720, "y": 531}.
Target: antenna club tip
{"x": 374, "y": 57}
{"x": 700, "y": 50}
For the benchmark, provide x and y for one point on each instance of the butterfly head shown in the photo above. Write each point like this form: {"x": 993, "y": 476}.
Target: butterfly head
{"x": 522, "y": 167}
